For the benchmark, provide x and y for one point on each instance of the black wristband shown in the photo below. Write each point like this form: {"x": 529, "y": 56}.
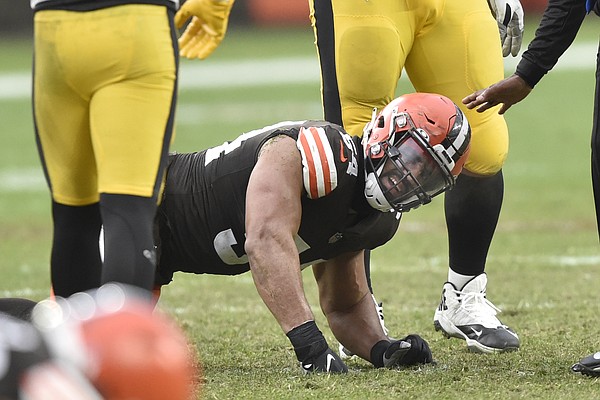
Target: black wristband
{"x": 308, "y": 341}
{"x": 377, "y": 352}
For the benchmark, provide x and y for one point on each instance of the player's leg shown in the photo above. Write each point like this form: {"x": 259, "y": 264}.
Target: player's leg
{"x": 75, "y": 260}
{"x": 361, "y": 54}
{"x": 596, "y": 146}
{"x": 128, "y": 242}
{"x": 590, "y": 365}
{"x": 132, "y": 125}
{"x": 441, "y": 62}
{"x": 62, "y": 136}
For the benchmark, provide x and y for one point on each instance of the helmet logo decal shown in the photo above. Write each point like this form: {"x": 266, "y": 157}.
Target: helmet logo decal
{"x": 352, "y": 169}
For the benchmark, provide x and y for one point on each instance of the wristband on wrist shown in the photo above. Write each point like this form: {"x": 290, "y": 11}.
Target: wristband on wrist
{"x": 308, "y": 341}
{"x": 377, "y": 352}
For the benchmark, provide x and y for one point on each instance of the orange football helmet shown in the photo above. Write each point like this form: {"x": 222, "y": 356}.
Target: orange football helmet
{"x": 126, "y": 349}
{"x": 414, "y": 149}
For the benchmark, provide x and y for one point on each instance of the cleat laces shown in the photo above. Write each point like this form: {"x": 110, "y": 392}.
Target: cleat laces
{"x": 478, "y": 308}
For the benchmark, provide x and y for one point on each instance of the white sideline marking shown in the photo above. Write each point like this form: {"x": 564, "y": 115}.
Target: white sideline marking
{"x": 422, "y": 265}
{"x": 15, "y": 85}
{"x": 560, "y": 261}
{"x": 415, "y": 264}
{"x": 26, "y": 293}
{"x": 206, "y": 75}
{"x": 247, "y": 73}
{"x": 22, "y": 180}
{"x": 196, "y": 113}
{"x": 259, "y": 72}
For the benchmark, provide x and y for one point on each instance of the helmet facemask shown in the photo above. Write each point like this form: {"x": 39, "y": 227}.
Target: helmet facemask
{"x": 405, "y": 171}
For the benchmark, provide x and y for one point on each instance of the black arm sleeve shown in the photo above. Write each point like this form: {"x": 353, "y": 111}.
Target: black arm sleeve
{"x": 559, "y": 26}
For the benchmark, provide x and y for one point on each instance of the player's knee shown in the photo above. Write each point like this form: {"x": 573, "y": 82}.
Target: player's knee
{"x": 489, "y": 145}
{"x": 484, "y": 166}
{"x": 482, "y": 169}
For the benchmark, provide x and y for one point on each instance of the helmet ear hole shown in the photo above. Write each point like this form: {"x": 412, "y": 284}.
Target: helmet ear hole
{"x": 381, "y": 122}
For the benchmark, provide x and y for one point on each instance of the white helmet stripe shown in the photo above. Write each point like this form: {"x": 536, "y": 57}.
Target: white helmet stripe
{"x": 461, "y": 137}
{"x": 319, "y": 171}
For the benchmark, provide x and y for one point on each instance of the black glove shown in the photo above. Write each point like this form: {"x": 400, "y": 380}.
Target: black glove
{"x": 411, "y": 350}
{"x": 312, "y": 350}
{"x": 327, "y": 361}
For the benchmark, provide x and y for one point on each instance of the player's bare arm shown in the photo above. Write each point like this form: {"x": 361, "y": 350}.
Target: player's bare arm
{"x": 273, "y": 212}
{"x": 507, "y": 92}
{"x": 346, "y": 302}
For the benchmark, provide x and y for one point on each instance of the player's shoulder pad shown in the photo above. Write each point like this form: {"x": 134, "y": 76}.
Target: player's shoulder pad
{"x": 327, "y": 154}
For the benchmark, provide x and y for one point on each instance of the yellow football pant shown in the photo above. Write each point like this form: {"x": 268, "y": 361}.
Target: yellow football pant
{"x": 104, "y": 100}
{"x": 451, "y": 47}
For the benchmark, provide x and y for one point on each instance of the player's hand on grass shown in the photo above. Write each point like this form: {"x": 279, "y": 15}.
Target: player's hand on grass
{"x": 412, "y": 350}
{"x": 509, "y": 15}
{"x": 327, "y": 361}
{"x": 207, "y": 28}
{"x": 312, "y": 350}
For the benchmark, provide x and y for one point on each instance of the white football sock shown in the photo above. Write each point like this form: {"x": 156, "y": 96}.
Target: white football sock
{"x": 457, "y": 279}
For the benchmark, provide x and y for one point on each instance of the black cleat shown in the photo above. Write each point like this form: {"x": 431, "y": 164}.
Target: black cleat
{"x": 589, "y": 366}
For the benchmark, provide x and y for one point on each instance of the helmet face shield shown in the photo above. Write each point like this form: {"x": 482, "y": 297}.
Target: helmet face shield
{"x": 410, "y": 174}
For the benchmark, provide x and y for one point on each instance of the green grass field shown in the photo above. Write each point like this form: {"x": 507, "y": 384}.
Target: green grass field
{"x": 543, "y": 265}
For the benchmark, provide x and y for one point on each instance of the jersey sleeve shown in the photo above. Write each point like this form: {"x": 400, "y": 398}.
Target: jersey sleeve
{"x": 328, "y": 156}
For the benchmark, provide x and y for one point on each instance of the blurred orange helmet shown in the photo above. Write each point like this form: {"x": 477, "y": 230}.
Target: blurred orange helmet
{"x": 125, "y": 349}
{"x": 414, "y": 149}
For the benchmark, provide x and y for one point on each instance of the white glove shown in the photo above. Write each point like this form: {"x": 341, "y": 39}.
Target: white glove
{"x": 509, "y": 15}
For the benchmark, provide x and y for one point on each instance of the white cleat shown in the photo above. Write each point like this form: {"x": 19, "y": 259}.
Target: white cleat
{"x": 467, "y": 314}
